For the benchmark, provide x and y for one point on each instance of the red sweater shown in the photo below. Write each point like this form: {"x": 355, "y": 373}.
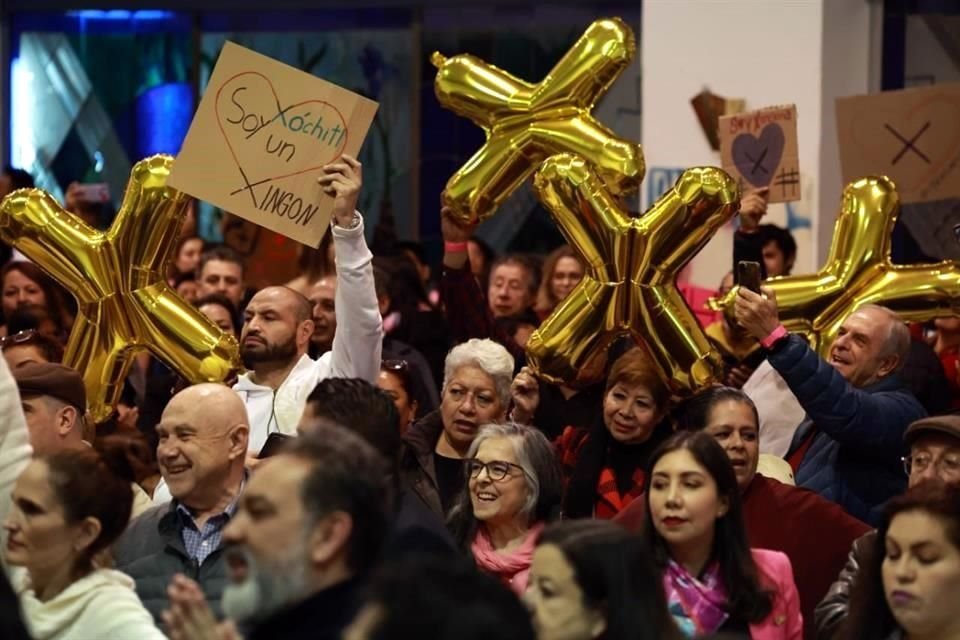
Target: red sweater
{"x": 814, "y": 533}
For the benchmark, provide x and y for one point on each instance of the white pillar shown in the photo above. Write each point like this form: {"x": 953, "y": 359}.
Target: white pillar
{"x": 805, "y": 52}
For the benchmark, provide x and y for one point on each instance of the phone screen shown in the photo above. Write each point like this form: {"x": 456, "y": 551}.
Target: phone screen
{"x": 748, "y": 275}
{"x": 273, "y": 445}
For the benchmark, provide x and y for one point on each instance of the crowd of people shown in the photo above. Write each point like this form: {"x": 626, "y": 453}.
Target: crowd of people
{"x": 387, "y": 466}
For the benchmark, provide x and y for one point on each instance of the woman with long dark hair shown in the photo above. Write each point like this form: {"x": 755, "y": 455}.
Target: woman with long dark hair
{"x": 592, "y": 579}
{"x": 27, "y": 290}
{"x": 694, "y": 530}
{"x": 909, "y": 583}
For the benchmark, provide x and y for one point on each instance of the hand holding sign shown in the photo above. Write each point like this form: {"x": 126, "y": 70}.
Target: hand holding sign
{"x": 342, "y": 181}
{"x": 759, "y": 149}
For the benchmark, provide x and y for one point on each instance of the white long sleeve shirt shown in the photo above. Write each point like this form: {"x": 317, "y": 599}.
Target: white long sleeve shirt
{"x": 356, "y": 345}
{"x": 356, "y": 350}
{"x": 15, "y": 450}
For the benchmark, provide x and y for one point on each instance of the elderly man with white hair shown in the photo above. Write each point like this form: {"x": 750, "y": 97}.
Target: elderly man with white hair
{"x": 476, "y": 390}
{"x": 848, "y": 446}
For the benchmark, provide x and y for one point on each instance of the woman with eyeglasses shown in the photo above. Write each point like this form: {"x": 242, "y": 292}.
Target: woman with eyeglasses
{"x": 475, "y": 392}
{"x": 513, "y": 490}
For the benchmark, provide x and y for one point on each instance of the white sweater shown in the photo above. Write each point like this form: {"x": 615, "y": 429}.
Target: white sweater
{"x": 100, "y": 606}
{"x": 15, "y": 451}
{"x": 356, "y": 345}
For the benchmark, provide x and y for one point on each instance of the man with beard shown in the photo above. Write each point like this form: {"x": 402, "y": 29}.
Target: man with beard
{"x": 203, "y": 445}
{"x": 278, "y": 324}
{"x": 309, "y": 528}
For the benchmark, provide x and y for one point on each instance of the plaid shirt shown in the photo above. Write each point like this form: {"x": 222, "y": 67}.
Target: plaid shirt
{"x": 609, "y": 500}
{"x": 200, "y": 543}
{"x": 469, "y": 315}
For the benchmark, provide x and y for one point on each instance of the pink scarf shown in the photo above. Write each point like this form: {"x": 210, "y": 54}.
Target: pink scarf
{"x": 512, "y": 568}
{"x": 697, "y": 605}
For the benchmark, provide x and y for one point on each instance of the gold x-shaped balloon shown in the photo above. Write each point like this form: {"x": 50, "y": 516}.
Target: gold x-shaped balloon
{"x": 117, "y": 276}
{"x": 630, "y": 284}
{"x": 858, "y": 271}
{"x": 525, "y": 123}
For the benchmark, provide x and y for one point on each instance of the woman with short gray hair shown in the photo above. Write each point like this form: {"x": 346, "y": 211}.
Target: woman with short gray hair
{"x": 513, "y": 489}
{"x": 476, "y": 391}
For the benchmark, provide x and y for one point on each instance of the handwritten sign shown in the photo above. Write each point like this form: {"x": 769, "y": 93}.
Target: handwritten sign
{"x": 911, "y": 136}
{"x": 260, "y": 136}
{"x": 759, "y": 149}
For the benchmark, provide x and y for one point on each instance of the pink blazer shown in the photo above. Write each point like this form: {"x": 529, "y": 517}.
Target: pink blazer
{"x": 785, "y": 621}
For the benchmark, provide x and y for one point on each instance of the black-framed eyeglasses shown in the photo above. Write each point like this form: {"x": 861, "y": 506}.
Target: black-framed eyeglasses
{"x": 497, "y": 470}
{"x": 18, "y": 338}
{"x": 948, "y": 465}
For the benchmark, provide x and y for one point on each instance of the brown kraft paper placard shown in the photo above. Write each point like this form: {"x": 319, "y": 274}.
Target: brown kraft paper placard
{"x": 911, "y": 136}
{"x": 759, "y": 149}
{"x": 260, "y": 136}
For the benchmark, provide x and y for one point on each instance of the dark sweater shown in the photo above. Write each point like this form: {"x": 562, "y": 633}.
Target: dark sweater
{"x": 151, "y": 551}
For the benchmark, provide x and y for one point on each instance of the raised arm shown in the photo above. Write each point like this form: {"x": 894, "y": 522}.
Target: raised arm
{"x": 358, "y": 341}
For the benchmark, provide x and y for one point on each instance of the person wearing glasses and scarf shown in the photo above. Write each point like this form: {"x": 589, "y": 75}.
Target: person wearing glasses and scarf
{"x": 513, "y": 491}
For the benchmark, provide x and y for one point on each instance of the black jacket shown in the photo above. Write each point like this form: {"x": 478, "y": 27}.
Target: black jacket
{"x": 833, "y": 609}
{"x": 322, "y": 616}
{"x": 418, "y": 473}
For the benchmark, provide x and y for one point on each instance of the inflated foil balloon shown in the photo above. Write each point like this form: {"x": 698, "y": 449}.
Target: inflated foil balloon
{"x": 630, "y": 284}
{"x": 858, "y": 271}
{"x": 525, "y": 123}
{"x": 117, "y": 276}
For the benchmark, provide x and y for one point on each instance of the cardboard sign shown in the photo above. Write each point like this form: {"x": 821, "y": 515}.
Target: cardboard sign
{"x": 759, "y": 149}
{"x": 911, "y": 136}
{"x": 709, "y": 107}
{"x": 260, "y": 137}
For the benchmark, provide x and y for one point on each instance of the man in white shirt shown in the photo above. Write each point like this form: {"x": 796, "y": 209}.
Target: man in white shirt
{"x": 277, "y": 327}
{"x": 278, "y": 324}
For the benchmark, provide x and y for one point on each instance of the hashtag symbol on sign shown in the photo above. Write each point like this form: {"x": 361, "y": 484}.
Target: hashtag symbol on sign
{"x": 787, "y": 179}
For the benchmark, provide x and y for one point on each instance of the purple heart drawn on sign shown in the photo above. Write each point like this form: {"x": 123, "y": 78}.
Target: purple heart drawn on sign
{"x": 757, "y": 158}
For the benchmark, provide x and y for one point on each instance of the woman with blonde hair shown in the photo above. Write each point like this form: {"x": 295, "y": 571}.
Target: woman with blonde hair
{"x": 562, "y": 271}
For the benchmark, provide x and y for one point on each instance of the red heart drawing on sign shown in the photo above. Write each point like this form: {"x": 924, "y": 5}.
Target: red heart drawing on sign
{"x": 269, "y": 136}
{"x": 913, "y": 145}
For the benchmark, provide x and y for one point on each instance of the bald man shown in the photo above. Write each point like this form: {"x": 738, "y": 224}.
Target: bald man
{"x": 278, "y": 324}
{"x": 203, "y": 436}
